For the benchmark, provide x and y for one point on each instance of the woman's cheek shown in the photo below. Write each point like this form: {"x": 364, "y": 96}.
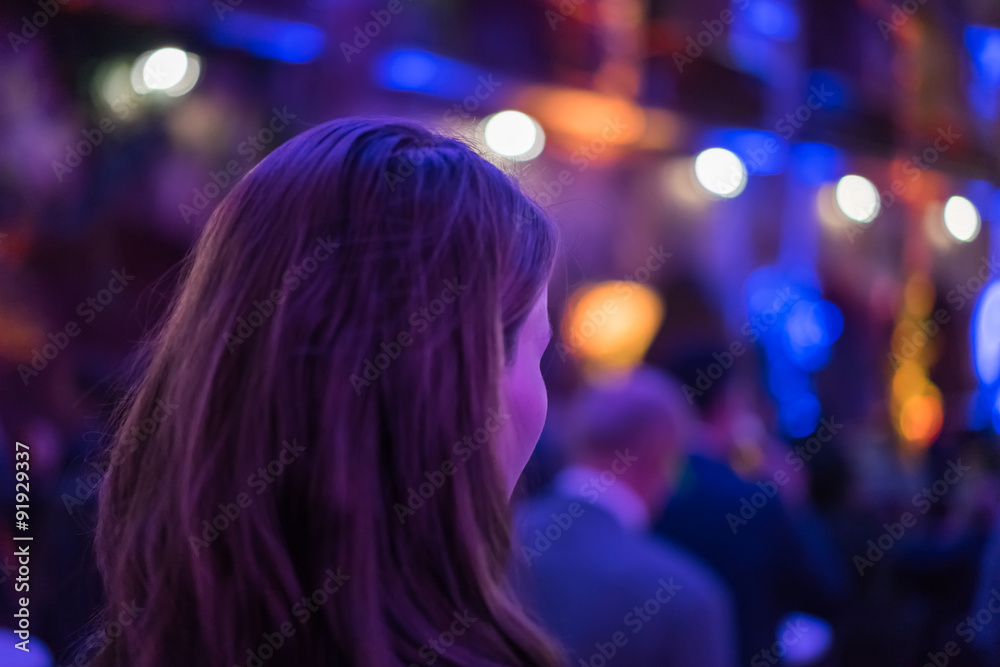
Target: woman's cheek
{"x": 527, "y": 405}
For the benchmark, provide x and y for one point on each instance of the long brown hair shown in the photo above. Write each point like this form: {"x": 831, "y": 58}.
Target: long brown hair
{"x": 336, "y": 345}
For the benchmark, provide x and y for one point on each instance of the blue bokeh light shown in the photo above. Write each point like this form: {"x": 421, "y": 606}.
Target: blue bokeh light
{"x": 985, "y": 332}
{"x": 421, "y": 71}
{"x": 817, "y": 163}
{"x": 762, "y": 152}
{"x": 773, "y": 19}
{"x": 268, "y": 37}
{"x": 983, "y": 43}
{"x": 800, "y": 415}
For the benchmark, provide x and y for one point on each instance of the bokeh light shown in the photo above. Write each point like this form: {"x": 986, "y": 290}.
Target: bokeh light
{"x": 169, "y": 70}
{"x": 721, "y": 172}
{"x": 164, "y": 68}
{"x": 800, "y": 415}
{"x": 514, "y": 134}
{"x": 858, "y": 198}
{"x": 986, "y": 335}
{"x": 961, "y": 219}
{"x": 921, "y": 418}
{"x": 609, "y": 326}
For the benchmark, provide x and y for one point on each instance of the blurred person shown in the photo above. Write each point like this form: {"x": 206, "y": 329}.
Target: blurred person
{"x": 601, "y": 583}
{"x": 388, "y": 542}
{"x": 980, "y": 621}
{"x": 982, "y": 626}
{"x": 763, "y": 555}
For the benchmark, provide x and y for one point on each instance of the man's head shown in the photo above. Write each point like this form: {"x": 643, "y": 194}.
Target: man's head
{"x": 644, "y": 413}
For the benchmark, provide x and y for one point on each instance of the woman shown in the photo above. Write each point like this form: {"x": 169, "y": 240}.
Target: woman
{"x": 333, "y": 415}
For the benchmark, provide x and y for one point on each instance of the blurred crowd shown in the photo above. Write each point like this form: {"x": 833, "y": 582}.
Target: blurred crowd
{"x": 667, "y": 516}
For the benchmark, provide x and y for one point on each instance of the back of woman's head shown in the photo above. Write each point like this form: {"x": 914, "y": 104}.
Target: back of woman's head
{"x": 307, "y": 472}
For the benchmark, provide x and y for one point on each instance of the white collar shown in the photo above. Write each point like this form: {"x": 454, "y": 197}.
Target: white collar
{"x": 606, "y": 490}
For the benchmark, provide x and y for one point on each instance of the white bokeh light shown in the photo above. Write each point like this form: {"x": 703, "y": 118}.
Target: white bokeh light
{"x": 515, "y": 135}
{"x": 858, "y": 198}
{"x": 720, "y": 172}
{"x": 168, "y": 70}
{"x": 961, "y": 219}
{"x": 164, "y": 68}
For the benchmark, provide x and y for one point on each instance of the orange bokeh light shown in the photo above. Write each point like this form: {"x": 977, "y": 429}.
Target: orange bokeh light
{"x": 921, "y": 418}
{"x": 609, "y": 326}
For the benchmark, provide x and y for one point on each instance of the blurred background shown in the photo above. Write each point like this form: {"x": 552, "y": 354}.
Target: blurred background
{"x": 790, "y": 205}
